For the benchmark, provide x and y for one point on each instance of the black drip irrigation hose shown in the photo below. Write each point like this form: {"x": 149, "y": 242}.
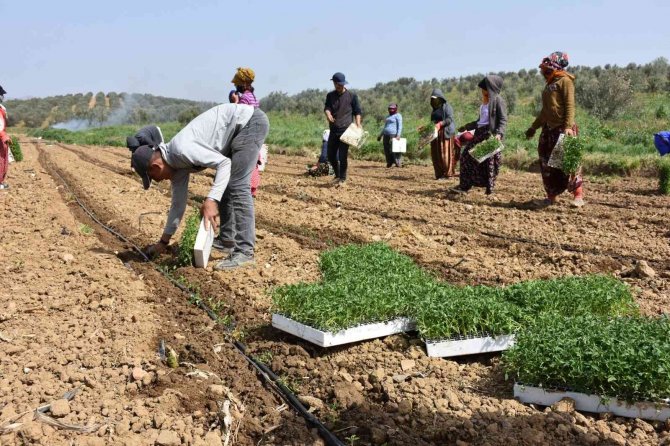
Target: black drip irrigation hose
{"x": 263, "y": 371}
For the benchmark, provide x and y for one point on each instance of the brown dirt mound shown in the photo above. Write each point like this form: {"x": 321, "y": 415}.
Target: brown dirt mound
{"x": 388, "y": 391}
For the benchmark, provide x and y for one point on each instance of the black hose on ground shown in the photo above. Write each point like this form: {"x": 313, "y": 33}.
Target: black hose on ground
{"x": 264, "y": 371}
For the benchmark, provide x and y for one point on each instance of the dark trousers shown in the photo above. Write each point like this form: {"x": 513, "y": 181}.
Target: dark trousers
{"x": 391, "y": 158}
{"x": 338, "y": 153}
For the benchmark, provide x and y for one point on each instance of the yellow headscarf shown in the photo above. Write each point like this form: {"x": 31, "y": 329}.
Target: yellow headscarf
{"x": 244, "y": 76}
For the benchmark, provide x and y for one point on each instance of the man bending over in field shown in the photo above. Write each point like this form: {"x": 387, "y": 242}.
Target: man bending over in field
{"x": 227, "y": 138}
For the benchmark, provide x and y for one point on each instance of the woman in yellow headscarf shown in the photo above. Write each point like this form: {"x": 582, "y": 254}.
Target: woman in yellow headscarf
{"x": 244, "y": 92}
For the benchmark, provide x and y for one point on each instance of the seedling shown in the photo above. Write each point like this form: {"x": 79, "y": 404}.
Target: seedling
{"x": 486, "y": 149}
{"x": 265, "y": 357}
{"x": 352, "y": 439}
{"x": 573, "y": 153}
{"x": 373, "y": 283}
{"x": 85, "y": 229}
{"x": 15, "y": 147}
{"x": 626, "y": 358}
{"x": 185, "y": 251}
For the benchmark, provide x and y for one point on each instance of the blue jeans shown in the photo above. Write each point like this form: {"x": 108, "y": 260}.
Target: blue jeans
{"x": 323, "y": 158}
{"x": 238, "y": 220}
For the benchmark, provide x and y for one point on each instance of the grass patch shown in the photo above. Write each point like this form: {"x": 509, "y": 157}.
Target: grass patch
{"x": 15, "y": 147}
{"x": 373, "y": 283}
{"x": 664, "y": 176}
{"x": 187, "y": 242}
{"x": 101, "y": 136}
{"x": 627, "y": 358}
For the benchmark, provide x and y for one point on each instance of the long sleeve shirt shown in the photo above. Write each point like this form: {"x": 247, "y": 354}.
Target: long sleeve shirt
{"x": 558, "y": 104}
{"x": 344, "y": 107}
{"x": 393, "y": 125}
{"x": 249, "y": 98}
{"x": 204, "y": 142}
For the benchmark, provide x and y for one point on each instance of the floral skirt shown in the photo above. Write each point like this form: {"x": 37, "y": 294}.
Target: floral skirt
{"x": 479, "y": 174}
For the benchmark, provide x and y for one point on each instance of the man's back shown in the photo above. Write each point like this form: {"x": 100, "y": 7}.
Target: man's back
{"x": 212, "y": 129}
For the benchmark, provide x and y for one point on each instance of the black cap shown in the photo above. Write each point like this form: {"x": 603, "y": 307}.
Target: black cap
{"x": 339, "y": 78}
{"x": 140, "y": 161}
{"x": 2, "y": 90}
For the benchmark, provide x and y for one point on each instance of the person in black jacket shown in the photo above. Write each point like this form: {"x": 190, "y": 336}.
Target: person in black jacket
{"x": 150, "y": 135}
{"x": 443, "y": 150}
{"x": 341, "y": 109}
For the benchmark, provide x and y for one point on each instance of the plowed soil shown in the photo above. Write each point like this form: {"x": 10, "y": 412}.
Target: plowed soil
{"x": 80, "y": 309}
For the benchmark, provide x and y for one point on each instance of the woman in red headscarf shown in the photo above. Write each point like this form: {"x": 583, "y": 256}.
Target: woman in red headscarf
{"x": 557, "y": 117}
{"x": 392, "y": 129}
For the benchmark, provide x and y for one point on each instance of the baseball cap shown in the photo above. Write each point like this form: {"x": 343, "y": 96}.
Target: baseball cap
{"x": 339, "y": 78}
{"x": 140, "y": 161}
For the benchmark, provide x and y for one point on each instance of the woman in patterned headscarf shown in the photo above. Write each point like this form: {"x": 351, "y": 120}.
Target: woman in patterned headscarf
{"x": 557, "y": 117}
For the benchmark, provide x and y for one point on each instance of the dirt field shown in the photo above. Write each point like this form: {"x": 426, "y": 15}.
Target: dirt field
{"x": 80, "y": 310}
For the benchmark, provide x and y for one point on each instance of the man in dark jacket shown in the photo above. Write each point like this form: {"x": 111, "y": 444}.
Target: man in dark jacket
{"x": 342, "y": 108}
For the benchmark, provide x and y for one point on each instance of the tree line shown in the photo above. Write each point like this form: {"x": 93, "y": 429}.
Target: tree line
{"x": 102, "y": 109}
{"x": 605, "y": 91}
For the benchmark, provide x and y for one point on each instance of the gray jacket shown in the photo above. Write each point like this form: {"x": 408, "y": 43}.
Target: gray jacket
{"x": 448, "y": 122}
{"x": 204, "y": 142}
{"x": 497, "y": 107}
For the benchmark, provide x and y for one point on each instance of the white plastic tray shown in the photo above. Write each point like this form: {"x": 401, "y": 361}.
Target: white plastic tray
{"x": 462, "y": 347}
{"x": 592, "y": 403}
{"x": 354, "y": 334}
{"x": 203, "y": 245}
{"x": 399, "y": 145}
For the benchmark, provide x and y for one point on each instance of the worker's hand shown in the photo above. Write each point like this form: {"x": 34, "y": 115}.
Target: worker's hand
{"x": 210, "y": 213}
{"x": 498, "y": 136}
{"x": 153, "y": 251}
{"x": 569, "y": 132}
{"x": 530, "y": 133}
{"x": 398, "y": 138}
{"x": 438, "y": 126}
{"x": 330, "y": 118}
{"x": 379, "y": 138}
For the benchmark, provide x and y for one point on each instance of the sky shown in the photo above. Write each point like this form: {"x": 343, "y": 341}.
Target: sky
{"x": 191, "y": 49}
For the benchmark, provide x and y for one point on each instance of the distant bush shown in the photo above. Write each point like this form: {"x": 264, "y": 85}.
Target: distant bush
{"x": 605, "y": 96}
{"x": 188, "y": 115}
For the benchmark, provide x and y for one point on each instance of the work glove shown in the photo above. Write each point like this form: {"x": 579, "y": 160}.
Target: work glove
{"x": 530, "y": 133}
